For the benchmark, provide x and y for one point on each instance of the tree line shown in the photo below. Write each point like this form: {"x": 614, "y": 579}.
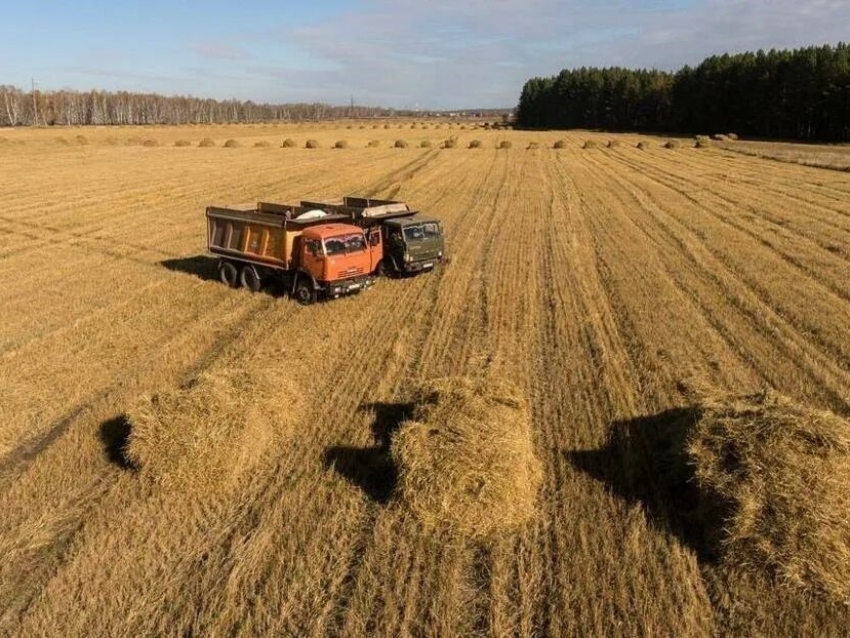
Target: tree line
{"x": 790, "y": 94}
{"x": 80, "y": 108}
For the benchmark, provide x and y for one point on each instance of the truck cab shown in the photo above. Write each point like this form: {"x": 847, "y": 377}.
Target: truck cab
{"x": 334, "y": 259}
{"x": 412, "y": 244}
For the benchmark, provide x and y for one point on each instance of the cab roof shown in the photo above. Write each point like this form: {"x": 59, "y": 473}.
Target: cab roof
{"x": 329, "y": 230}
{"x": 415, "y": 219}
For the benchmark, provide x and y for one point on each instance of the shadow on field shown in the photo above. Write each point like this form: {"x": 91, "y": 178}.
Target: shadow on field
{"x": 200, "y": 266}
{"x": 372, "y": 468}
{"x": 645, "y": 461}
{"x": 114, "y": 434}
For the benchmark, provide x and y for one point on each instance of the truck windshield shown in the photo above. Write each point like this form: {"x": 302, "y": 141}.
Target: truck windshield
{"x": 341, "y": 244}
{"x": 428, "y": 230}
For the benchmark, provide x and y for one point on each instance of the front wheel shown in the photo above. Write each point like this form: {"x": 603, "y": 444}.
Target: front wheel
{"x": 228, "y": 274}
{"x": 250, "y": 279}
{"x": 304, "y": 293}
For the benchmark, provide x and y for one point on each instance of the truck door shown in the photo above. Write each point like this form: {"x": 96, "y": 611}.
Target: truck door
{"x": 376, "y": 246}
{"x": 313, "y": 258}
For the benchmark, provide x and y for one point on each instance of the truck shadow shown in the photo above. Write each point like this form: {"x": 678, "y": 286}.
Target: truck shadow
{"x": 114, "y": 434}
{"x": 200, "y": 266}
{"x": 645, "y": 461}
{"x": 372, "y": 468}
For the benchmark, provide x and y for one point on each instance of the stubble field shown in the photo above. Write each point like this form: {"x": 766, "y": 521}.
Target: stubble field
{"x": 605, "y": 283}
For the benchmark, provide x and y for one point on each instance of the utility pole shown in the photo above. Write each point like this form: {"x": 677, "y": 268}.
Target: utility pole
{"x": 34, "y": 103}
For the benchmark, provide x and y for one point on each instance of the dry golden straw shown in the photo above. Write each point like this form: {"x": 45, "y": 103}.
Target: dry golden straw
{"x": 784, "y": 471}
{"x": 465, "y": 459}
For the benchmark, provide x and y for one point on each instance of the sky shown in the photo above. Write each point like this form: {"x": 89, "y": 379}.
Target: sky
{"x": 425, "y": 54}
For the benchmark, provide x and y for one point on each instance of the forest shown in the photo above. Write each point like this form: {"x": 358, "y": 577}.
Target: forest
{"x": 799, "y": 94}
{"x": 83, "y": 108}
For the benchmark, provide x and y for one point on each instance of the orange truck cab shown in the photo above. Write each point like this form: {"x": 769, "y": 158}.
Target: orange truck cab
{"x": 312, "y": 254}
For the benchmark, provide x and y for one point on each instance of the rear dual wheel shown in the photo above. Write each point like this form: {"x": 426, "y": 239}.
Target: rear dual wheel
{"x": 250, "y": 278}
{"x": 228, "y": 274}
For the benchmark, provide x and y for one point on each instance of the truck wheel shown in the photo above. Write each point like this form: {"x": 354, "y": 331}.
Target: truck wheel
{"x": 250, "y": 279}
{"x": 304, "y": 293}
{"x": 228, "y": 274}
{"x": 381, "y": 269}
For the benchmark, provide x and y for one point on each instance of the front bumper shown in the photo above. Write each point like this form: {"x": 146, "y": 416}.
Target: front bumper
{"x": 421, "y": 265}
{"x": 348, "y": 286}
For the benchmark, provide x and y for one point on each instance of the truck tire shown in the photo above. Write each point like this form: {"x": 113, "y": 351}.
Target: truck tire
{"x": 250, "y": 278}
{"x": 228, "y": 274}
{"x": 304, "y": 292}
{"x": 381, "y": 269}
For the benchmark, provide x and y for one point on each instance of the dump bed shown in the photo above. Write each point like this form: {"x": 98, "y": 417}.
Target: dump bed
{"x": 264, "y": 232}
{"x": 362, "y": 208}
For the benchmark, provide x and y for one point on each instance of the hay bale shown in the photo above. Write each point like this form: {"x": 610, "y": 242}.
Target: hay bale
{"x": 262, "y": 144}
{"x": 150, "y": 143}
{"x": 400, "y": 144}
{"x": 465, "y": 458}
{"x": 505, "y": 144}
{"x": 782, "y": 472}
{"x": 134, "y": 141}
{"x": 672, "y": 144}
{"x": 341, "y": 144}
{"x": 702, "y": 141}
{"x": 182, "y": 143}
{"x": 732, "y": 136}
{"x": 61, "y": 141}
{"x": 613, "y": 143}
{"x": 643, "y": 145}
{"x": 111, "y": 140}
{"x": 425, "y": 144}
{"x": 386, "y": 126}
{"x": 311, "y": 144}
{"x": 720, "y": 137}
{"x": 532, "y": 145}
{"x": 207, "y": 142}
{"x": 82, "y": 140}
{"x": 231, "y": 144}
{"x": 212, "y": 431}
{"x": 373, "y": 144}
{"x": 289, "y": 143}
{"x": 560, "y": 144}
{"x": 475, "y": 144}
{"x": 589, "y": 144}
{"x": 450, "y": 143}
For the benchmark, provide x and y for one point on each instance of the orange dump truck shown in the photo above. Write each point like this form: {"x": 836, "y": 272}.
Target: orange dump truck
{"x": 313, "y": 254}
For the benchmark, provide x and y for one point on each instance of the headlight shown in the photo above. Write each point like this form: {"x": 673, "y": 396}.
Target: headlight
{"x": 440, "y": 254}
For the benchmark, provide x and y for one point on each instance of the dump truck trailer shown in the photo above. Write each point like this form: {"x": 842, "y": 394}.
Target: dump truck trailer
{"x": 408, "y": 241}
{"x": 311, "y": 253}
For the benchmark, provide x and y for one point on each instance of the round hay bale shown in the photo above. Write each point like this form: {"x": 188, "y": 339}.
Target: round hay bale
{"x": 782, "y": 474}
{"x": 207, "y": 142}
{"x": 400, "y": 144}
{"x": 560, "y": 144}
{"x": 450, "y": 143}
{"x": 61, "y": 141}
{"x": 373, "y": 144}
{"x": 262, "y": 144}
{"x": 212, "y": 431}
{"x": 386, "y": 126}
{"x": 134, "y": 141}
{"x": 613, "y": 143}
{"x": 150, "y": 143}
{"x": 111, "y": 140}
{"x": 475, "y": 144}
{"x": 81, "y": 140}
{"x": 182, "y": 143}
{"x": 532, "y": 145}
{"x": 643, "y": 145}
{"x": 720, "y": 137}
{"x": 590, "y": 144}
{"x": 311, "y": 144}
{"x": 289, "y": 143}
{"x": 505, "y": 144}
{"x": 672, "y": 144}
{"x": 341, "y": 144}
{"x": 425, "y": 144}
{"x": 732, "y": 136}
{"x": 465, "y": 458}
{"x": 702, "y": 142}
{"x": 231, "y": 144}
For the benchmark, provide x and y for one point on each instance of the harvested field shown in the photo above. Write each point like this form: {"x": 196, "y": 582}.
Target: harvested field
{"x": 633, "y": 277}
